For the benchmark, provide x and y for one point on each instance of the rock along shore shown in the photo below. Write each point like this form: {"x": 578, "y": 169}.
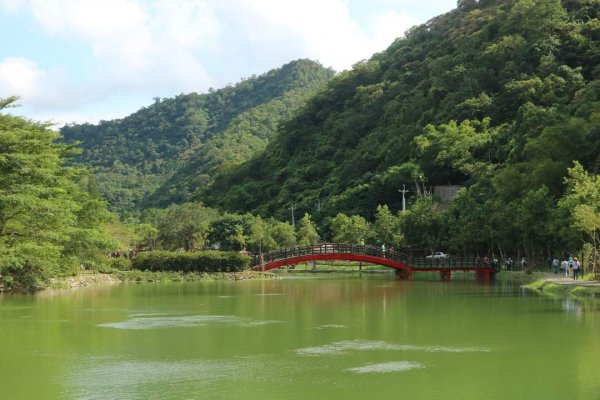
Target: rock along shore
{"x": 100, "y": 279}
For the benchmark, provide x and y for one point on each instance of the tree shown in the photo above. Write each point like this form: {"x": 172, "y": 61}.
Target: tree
{"x": 230, "y": 231}
{"x": 582, "y": 204}
{"x": 282, "y": 233}
{"x": 534, "y": 213}
{"x": 49, "y": 225}
{"x": 423, "y": 225}
{"x": 260, "y": 236}
{"x": 147, "y": 235}
{"x": 463, "y": 147}
{"x": 349, "y": 229}
{"x": 307, "y": 231}
{"x": 386, "y": 228}
{"x": 184, "y": 226}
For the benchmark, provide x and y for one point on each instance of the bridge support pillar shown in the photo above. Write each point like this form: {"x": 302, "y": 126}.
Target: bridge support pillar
{"x": 446, "y": 275}
{"x": 484, "y": 276}
{"x": 405, "y": 274}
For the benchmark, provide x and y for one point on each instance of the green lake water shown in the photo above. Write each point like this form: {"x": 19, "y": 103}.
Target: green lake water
{"x": 307, "y": 337}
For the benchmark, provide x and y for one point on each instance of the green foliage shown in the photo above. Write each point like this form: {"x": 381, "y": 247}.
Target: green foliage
{"x": 462, "y": 148}
{"x": 50, "y": 222}
{"x": 184, "y": 226}
{"x": 307, "y": 231}
{"x": 424, "y": 225}
{"x": 500, "y": 91}
{"x": 230, "y": 231}
{"x": 203, "y": 261}
{"x": 581, "y": 207}
{"x": 386, "y": 228}
{"x": 349, "y": 229}
{"x": 120, "y": 264}
{"x": 169, "y": 151}
{"x": 261, "y": 237}
{"x": 283, "y": 234}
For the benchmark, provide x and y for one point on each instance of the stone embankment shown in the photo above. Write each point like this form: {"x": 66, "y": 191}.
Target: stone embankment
{"x": 83, "y": 280}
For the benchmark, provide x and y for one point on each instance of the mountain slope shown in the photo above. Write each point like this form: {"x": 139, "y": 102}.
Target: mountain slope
{"x": 523, "y": 74}
{"x": 133, "y": 156}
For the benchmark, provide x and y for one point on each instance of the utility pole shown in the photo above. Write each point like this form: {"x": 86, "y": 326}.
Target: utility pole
{"x": 403, "y": 191}
{"x": 293, "y": 220}
{"x": 318, "y": 205}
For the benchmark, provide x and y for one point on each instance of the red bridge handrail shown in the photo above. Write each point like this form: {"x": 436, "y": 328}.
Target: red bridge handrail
{"x": 373, "y": 254}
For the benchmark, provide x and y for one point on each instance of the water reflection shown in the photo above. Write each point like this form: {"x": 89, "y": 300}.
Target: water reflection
{"x": 346, "y": 346}
{"x": 570, "y": 306}
{"x": 394, "y": 366}
{"x": 138, "y": 323}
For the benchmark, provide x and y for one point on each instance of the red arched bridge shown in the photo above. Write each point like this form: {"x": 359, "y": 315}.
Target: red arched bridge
{"x": 404, "y": 264}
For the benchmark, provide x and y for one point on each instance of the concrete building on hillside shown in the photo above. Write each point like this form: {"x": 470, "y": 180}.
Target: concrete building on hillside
{"x": 445, "y": 193}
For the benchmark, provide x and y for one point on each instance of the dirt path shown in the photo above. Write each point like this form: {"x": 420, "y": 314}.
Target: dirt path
{"x": 561, "y": 279}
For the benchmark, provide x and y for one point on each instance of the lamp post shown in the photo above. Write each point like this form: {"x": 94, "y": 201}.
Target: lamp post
{"x": 403, "y": 191}
{"x": 293, "y": 219}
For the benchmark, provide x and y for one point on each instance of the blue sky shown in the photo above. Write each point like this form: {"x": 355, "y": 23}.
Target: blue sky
{"x": 88, "y": 60}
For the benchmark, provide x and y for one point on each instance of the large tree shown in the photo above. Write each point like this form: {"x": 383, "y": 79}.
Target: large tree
{"x": 49, "y": 223}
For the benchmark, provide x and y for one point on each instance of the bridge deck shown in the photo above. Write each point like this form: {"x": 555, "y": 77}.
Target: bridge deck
{"x": 367, "y": 254}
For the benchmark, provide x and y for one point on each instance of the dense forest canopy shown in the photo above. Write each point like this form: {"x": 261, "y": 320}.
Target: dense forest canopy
{"x": 502, "y": 94}
{"x": 200, "y": 134}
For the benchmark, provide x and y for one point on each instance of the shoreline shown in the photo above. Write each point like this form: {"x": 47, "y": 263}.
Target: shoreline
{"x": 134, "y": 276}
{"x": 559, "y": 285}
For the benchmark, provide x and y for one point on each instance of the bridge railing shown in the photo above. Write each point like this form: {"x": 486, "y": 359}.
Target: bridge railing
{"x": 369, "y": 250}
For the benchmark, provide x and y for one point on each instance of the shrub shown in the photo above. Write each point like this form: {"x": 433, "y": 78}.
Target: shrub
{"x": 202, "y": 261}
{"x": 121, "y": 264}
{"x": 25, "y": 277}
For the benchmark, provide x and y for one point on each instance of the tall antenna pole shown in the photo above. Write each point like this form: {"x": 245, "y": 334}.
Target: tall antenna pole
{"x": 403, "y": 191}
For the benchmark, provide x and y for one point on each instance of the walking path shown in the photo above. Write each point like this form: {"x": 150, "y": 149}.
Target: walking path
{"x": 562, "y": 280}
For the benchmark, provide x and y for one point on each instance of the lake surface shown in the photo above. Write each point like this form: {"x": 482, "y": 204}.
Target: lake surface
{"x": 309, "y": 337}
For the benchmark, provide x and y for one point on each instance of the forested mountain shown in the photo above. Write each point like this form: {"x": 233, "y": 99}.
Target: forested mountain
{"x": 133, "y": 156}
{"x": 498, "y": 95}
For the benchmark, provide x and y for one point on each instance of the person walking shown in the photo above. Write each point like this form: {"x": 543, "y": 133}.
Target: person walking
{"x": 576, "y": 267}
{"x": 509, "y": 263}
{"x": 564, "y": 265}
{"x": 555, "y": 264}
{"x": 570, "y": 263}
{"x": 523, "y": 264}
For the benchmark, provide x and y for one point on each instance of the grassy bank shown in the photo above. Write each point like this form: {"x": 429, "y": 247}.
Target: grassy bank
{"x": 135, "y": 276}
{"x": 559, "y": 289}
{"x": 170, "y": 276}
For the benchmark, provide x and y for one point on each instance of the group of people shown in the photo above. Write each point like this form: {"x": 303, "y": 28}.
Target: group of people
{"x": 571, "y": 266}
{"x": 509, "y": 263}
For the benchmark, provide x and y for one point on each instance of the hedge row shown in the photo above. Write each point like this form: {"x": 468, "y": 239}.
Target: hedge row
{"x": 201, "y": 261}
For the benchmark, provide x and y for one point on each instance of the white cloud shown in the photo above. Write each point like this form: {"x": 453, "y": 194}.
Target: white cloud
{"x": 136, "y": 44}
{"x": 20, "y": 76}
{"x": 147, "y": 48}
{"x": 321, "y": 29}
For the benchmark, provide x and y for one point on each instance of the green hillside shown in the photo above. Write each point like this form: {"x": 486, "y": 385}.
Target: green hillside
{"x": 498, "y": 95}
{"x": 132, "y": 157}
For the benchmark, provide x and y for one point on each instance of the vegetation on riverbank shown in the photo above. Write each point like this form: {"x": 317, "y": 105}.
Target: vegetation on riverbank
{"x": 51, "y": 215}
{"x": 201, "y": 261}
{"x": 564, "y": 289}
{"x": 116, "y": 277}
